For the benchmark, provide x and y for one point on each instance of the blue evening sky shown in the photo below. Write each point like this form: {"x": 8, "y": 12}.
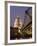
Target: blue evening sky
{"x": 17, "y": 11}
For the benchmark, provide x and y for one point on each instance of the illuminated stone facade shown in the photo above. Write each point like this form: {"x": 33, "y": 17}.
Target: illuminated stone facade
{"x": 18, "y": 22}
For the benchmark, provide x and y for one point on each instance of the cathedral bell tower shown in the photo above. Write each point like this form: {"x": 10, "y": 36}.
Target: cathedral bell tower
{"x": 18, "y": 22}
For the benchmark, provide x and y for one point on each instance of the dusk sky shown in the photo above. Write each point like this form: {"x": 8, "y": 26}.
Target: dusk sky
{"x": 17, "y": 11}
